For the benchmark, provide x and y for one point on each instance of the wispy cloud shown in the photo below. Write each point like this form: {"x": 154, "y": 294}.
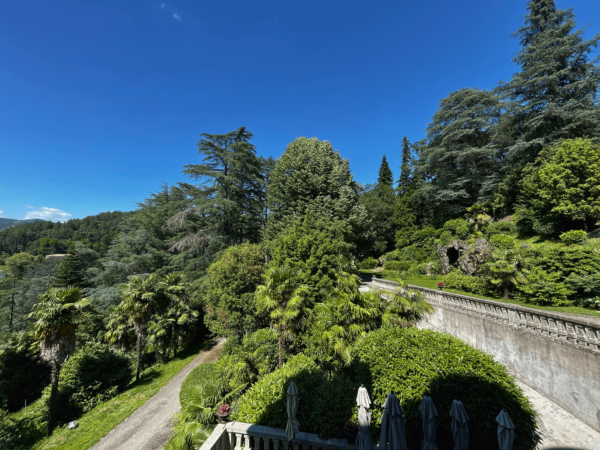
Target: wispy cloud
{"x": 54, "y": 214}
{"x": 30, "y": 207}
{"x": 1, "y": 213}
{"x": 162, "y": 6}
{"x": 177, "y": 16}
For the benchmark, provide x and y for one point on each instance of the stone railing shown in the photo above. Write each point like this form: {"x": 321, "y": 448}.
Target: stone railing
{"x": 238, "y": 435}
{"x": 565, "y": 328}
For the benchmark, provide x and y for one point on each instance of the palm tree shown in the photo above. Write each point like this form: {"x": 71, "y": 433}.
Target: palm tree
{"x": 120, "y": 333}
{"x": 56, "y": 314}
{"x": 505, "y": 268}
{"x": 346, "y": 314}
{"x": 140, "y": 300}
{"x": 282, "y": 296}
{"x": 405, "y": 308}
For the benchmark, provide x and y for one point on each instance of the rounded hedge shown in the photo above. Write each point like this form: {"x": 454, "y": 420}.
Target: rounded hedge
{"x": 324, "y": 402}
{"x": 369, "y": 263}
{"x": 414, "y": 362}
{"x": 396, "y": 265}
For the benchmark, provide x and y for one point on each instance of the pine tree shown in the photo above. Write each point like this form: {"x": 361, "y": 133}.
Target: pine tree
{"x": 70, "y": 273}
{"x": 458, "y": 166}
{"x": 554, "y": 95}
{"x": 405, "y": 168}
{"x": 385, "y": 174}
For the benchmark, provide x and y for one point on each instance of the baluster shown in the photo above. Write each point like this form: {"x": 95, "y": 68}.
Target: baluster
{"x": 230, "y": 440}
{"x": 247, "y": 444}
{"x": 238, "y": 441}
{"x": 591, "y": 337}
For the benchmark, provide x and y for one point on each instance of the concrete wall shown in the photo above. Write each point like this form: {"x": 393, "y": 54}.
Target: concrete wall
{"x": 556, "y": 354}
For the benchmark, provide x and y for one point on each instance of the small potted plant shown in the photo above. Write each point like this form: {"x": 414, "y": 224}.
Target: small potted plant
{"x": 223, "y": 413}
{"x": 441, "y": 285}
{"x": 350, "y": 430}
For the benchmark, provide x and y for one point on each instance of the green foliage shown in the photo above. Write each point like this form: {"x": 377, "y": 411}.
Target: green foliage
{"x": 70, "y": 273}
{"x": 228, "y": 293}
{"x": 19, "y": 264}
{"x": 94, "y": 374}
{"x": 379, "y": 201}
{"x": 20, "y": 433}
{"x": 502, "y": 241}
{"x": 469, "y": 283}
{"x": 562, "y": 189}
{"x": 265, "y": 402}
{"x": 314, "y": 247}
{"x": 311, "y": 176}
{"x": 396, "y": 265}
{"x": 458, "y": 165}
{"x": 574, "y": 237}
{"x": 386, "y": 177}
{"x": 459, "y": 228}
{"x": 505, "y": 268}
{"x": 414, "y": 362}
{"x": 23, "y": 374}
{"x": 544, "y": 289}
{"x": 370, "y": 263}
{"x": 565, "y": 260}
{"x": 45, "y": 237}
{"x": 503, "y": 227}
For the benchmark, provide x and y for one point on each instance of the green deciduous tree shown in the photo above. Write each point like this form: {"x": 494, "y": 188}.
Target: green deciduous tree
{"x": 311, "y": 175}
{"x": 56, "y": 317}
{"x": 562, "y": 190}
{"x": 228, "y": 293}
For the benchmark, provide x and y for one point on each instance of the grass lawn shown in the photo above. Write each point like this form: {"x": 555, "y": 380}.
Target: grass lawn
{"x": 96, "y": 424}
{"x": 432, "y": 284}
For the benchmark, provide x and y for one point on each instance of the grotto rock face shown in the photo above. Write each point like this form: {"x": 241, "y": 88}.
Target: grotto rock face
{"x": 471, "y": 256}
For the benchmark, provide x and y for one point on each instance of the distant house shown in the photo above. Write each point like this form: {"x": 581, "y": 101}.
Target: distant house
{"x": 57, "y": 255}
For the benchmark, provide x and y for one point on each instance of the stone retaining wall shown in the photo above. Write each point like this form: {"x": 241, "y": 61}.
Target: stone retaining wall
{"x": 556, "y": 354}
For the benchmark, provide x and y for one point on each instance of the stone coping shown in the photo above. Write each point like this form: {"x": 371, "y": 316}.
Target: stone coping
{"x": 584, "y": 320}
{"x": 560, "y": 328}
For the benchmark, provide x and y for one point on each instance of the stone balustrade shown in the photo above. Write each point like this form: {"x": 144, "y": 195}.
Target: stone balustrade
{"x": 565, "y": 328}
{"x": 238, "y": 435}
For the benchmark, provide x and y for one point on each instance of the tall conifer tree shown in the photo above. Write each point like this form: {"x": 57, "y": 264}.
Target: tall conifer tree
{"x": 405, "y": 168}
{"x": 554, "y": 95}
{"x": 385, "y": 174}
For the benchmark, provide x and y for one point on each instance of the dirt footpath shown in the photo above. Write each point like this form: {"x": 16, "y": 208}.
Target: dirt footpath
{"x": 149, "y": 427}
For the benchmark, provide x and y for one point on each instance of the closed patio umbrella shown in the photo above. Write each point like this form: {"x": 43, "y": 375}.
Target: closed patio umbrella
{"x": 364, "y": 440}
{"x": 506, "y": 431}
{"x": 428, "y": 413}
{"x": 292, "y": 409}
{"x": 460, "y": 428}
{"x": 393, "y": 431}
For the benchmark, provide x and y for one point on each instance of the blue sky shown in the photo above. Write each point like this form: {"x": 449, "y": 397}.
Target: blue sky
{"x": 102, "y": 101}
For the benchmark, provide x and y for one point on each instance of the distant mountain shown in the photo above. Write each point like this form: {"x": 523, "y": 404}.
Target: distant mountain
{"x": 7, "y": 223}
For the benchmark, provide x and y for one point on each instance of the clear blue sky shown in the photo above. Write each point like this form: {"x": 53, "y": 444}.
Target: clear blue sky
{"x": 101, "y": 101}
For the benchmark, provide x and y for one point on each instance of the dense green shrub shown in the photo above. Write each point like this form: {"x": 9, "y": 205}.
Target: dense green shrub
{"x": 469, "y": 283}
{"x": 413, "y": 362}
{"x": 369, "y": 263}
{"x": 502, "y": 241}
{"x": 459, "y": 228}
{"x": 574, "y": 237}
{"x": 585, "y": 287}
{"x": 395, "y": 255}
{"x": 544, "y": 288}
{"x": 228, "y": 294}
{"x": 94, "y": 374}
{"x": 23, "y": 374}
{"x": 565, "y": 260}
{"x": 396, "y": 265}
{"x": 503, "y": 227}
{"x": 205, "y": 370}
{"x": 325, "y": 403}
{"x": 21, "y": 433}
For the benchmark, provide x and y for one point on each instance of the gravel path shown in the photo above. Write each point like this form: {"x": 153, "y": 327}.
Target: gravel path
{"x": 149, "y": 427}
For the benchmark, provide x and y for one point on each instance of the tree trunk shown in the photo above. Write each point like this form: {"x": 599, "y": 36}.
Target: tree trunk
{"x": 53, "y": 397}
{"x": 281, "y": 348}
{"x": 505, "y": 286}
{"x": 139, "y": 356}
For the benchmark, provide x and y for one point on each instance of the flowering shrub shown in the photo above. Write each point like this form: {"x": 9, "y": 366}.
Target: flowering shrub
{"x": 224, "y": 409}
{"x": 441, "y": 284}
